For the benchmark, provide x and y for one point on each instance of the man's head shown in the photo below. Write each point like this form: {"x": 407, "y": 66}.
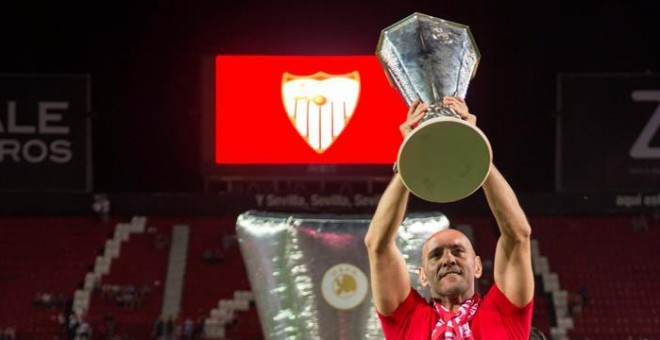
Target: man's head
{"x": 449, "y": 265}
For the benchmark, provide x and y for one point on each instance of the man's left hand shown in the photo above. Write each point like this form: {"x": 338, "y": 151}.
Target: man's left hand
{"x": 460, "y": 107}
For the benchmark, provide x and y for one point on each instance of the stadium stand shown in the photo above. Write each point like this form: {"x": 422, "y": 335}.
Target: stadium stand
{"x": 44, "y": 256}
{"x": 589, "y": 269}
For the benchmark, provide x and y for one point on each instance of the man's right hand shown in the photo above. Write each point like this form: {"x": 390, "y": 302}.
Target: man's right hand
{"x": 416, "y": 112}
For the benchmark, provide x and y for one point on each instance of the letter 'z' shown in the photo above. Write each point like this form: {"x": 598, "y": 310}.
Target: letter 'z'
{"x": 642, "y": 149}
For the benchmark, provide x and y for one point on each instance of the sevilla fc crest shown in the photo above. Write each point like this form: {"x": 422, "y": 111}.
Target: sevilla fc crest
{"x": 320, "y": 105}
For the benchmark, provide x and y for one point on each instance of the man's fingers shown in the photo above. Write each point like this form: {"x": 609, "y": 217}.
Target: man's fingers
{"x": 416, "y": 112}
{"x": 422, "y": 108}
{"x": 460, "y": 112}
{"x": 419, "y": 113}
{"x": 455, "y": 103}
{"x": 458, "y": 105}
{"x": 464, "y": 114}
{"x": 413, "y": 107}
{"x": 416, "y": 118}
{"x": 453, "y": 100}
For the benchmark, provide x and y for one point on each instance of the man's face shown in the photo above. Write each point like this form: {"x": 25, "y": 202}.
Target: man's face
{"x": 449, "y": 264}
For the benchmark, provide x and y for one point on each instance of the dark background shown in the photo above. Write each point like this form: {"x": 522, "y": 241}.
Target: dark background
{"x": 143, "y": 58}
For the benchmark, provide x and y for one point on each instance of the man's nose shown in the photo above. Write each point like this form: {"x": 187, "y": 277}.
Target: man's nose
{"x": 447, "y": 258}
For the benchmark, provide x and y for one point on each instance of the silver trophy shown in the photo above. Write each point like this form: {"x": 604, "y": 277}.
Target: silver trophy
{"x": 310, "y": 274}
{"x": 444, "y": 159}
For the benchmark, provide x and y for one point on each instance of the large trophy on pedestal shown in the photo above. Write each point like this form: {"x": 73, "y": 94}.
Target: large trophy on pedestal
{"x": 310, "y": 273}
{"x": 444, "y": 159}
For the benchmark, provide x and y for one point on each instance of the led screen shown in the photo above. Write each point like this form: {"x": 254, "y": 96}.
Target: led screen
{"x": 305, "y": 110}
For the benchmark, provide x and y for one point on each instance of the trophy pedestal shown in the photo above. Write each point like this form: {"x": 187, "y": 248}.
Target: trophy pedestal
{"x": 444, "y": 159}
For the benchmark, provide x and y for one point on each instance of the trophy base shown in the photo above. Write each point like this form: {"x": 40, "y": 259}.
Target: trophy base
{"x": 444, "y": 159}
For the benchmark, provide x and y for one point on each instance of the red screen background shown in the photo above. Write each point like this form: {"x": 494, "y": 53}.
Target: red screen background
{"x": 252, "y": 126}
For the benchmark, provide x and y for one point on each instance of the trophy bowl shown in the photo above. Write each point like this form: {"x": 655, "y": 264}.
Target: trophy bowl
{"x": 444, "y": 159}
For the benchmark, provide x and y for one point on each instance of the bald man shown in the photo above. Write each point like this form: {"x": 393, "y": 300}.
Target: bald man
{"x": 450, "y": 266}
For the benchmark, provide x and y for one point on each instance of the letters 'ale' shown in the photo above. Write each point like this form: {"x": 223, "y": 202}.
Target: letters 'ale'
{"x": 444, "y": 158}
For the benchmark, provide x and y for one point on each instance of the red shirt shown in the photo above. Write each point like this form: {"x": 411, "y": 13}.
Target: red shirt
{"x": 496, "y": 318}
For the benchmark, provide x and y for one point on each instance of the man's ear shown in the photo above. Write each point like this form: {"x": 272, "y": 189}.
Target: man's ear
{"x": 478, "y": 267}
{"x": 422, "y": 277}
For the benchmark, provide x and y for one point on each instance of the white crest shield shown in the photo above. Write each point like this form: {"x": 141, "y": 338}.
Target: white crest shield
{"x": 320, "y": 105}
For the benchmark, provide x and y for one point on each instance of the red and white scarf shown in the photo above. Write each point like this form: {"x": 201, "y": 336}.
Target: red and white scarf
{"x": 455, "y": 326}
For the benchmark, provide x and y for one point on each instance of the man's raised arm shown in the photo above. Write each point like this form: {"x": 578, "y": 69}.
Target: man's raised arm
{"x": 513, "y": 259}
{"x": 390, "y": 281}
